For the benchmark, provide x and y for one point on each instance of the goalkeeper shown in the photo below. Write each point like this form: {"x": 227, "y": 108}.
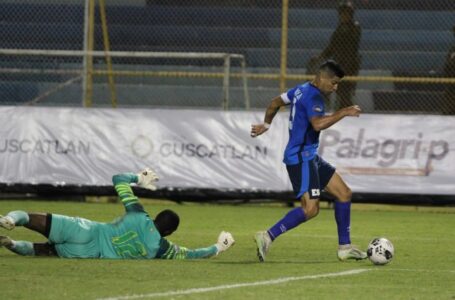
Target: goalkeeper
{"x": 135, "y": 235}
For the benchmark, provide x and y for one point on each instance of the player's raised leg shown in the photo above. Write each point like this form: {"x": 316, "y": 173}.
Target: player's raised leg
{"x": 38, "y": 222}
{"x": 338, "y": 188}
{"x": 13, "y": 218}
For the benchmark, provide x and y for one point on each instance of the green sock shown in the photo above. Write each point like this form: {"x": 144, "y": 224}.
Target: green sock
{"x": 23, "y": 248}
{"x": 20, "y": 217}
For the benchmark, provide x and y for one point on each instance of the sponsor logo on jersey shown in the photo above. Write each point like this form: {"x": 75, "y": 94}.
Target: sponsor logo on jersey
{"x": 297, "y": 95}
{"x": 317, "y": 108}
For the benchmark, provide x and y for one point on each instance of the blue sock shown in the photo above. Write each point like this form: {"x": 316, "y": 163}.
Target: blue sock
{"x": 20, "y": 217}
{"x": 343, "y": 218}
{"x": 293, "y": 218}
{"x": 23, "y": 248}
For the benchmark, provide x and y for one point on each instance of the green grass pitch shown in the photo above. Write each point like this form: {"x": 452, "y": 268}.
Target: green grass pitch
{"x": 302, "y": 264}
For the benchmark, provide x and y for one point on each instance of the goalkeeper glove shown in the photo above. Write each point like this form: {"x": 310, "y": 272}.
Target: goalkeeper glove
{"x": 225, "y": 241}
{"x": 146, "y": 178}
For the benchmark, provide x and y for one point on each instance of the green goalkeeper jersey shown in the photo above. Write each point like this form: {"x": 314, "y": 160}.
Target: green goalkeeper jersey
{"x": 134, "y": 235}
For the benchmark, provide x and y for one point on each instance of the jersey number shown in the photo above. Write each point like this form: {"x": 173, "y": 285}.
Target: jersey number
{"x": 292, "y": 116}
{"x": 128, "y": 245}
{"x": 297, "y": 95}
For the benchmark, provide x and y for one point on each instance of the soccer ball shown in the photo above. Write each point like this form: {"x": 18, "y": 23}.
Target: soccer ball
{"x": 380, "y": 251}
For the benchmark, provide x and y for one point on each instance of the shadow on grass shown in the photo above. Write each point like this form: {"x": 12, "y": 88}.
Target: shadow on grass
{"x": 277, "y": 262}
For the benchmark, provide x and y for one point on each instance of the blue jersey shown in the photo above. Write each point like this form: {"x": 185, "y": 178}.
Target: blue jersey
{"x": 306, "y": 102}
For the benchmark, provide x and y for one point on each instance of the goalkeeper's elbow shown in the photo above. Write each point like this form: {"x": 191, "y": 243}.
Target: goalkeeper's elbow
{"x": 122, "y": 178}
{"x": 116, "y": 179}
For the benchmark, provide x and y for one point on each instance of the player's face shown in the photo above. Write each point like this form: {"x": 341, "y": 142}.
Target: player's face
{"x": 328, "y": 83}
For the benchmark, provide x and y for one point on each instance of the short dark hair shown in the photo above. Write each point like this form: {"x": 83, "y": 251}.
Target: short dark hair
{"x": 333, "y": 67}
{"x": 167, "y": 222}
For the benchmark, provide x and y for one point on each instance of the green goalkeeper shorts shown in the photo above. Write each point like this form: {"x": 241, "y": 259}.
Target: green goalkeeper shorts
{"x": 74, "y": 237}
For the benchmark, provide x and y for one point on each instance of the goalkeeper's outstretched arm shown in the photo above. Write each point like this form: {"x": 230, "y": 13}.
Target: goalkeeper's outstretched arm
{"x": 169, "y": 250}
{"x": 122, "y": 187}
{"x": 122, "y": 182}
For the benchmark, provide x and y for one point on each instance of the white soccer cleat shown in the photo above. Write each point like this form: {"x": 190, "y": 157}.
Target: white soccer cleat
{"x": 5, "y": 241}
{"x": 350, "y": 252}
{"x": 263, "y": 242}
{"x": 7, "y": 222}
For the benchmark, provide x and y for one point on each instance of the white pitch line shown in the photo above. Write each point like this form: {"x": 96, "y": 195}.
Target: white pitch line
{"x": 236, "y": 285}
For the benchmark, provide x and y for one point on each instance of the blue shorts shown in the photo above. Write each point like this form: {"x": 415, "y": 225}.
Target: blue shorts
{"x": 310, "y": 176}
{"x": 74, "y": 237}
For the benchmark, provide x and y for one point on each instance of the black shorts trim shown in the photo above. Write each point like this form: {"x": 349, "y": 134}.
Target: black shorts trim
{"x": 47, "y": 230}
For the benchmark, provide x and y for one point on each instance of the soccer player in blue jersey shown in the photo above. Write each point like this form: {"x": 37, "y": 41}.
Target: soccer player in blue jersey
{"x": 308, "y": 172}
{"x": 135, "y": 235}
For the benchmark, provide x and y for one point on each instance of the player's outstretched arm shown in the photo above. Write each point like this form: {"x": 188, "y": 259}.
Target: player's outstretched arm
{"x": 272, "y": 109}
{"x": 122, "y": 186}
{"x": 169, "y": 250}
{"x": 322, "y": 122}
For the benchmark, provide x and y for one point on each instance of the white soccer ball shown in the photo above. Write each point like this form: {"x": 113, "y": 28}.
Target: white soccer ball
{"x": 380, "y": 251}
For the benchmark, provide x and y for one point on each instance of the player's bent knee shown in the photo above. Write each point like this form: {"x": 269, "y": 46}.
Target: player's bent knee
{"x": 345, "y": 195}
{"x": 311, "y": 211}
